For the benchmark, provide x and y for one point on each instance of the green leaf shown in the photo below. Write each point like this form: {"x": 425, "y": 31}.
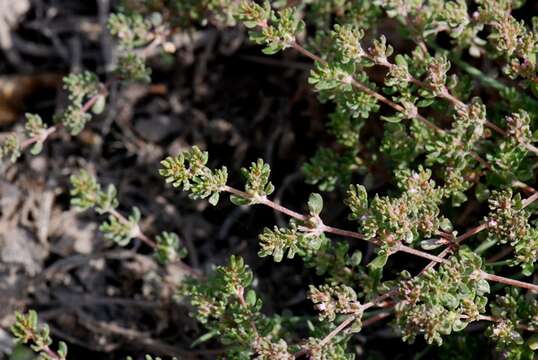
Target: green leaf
{"x": 356, "y": 326}
{"x": 214, "y": 198}
{"x": 239, "y": 201}
{"x": 356, "y": 258}
{"x": 204, "y": 338}
{"x": 481, "y": 192}
{"x": 32, "y": 319}
{"x": 424, "y": 103}
{"x": 449, "y": 300}
{"x": 62, "y": 349}
{"x": 99, "y": 105}
{"x": 482, "y": 287}
{"x": 527, "y": 269}
{"x": 431, "y": 244}
{"x": 458, "y": 198}
{"x": 378, "y": 262}
{"x": 533, "y": 342}
{"x": 392, "y": 119}
{"x": 271, "y": 49}
{"x": 315, "y": 204}
{"x": 459, "y": 325}
{"x": 36, "y": 148}
{"x": 251, "y": 297}
{"x": 446, "y": 225}
{"x": 400, "y": 60}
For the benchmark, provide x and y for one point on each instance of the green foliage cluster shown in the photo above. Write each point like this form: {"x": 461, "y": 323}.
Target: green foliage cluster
{"x": 411, "y": 216}
{"x": 136, "y": 34}
{"x": 27, "y": 330}
{"x": 87, "y": 193}
{"x": 257, "y": 186}
{"x": 189, "y": 171}
{"x": 515, "y": 311}
{"x": 80, "y": 88}
{"x": 508, "y": 222}
{"x": 86, "y": 96}
{"x": 332, "y": 300}
{"x": 439, "y": 302}
{"x": 133, "y": 31}
{"x": 230, "y": 309}
{"x": 410, "y": 109}
{"x": 293, "y": 240}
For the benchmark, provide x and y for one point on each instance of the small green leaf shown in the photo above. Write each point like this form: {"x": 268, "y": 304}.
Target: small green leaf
{"x": 533, "y": 342}
{"x": 239, "y": 201}
{"x": 99, "y": 105}
{"x": 214, "y": 198}
{"x": 356, "y": 258}
{"x": 392, "y": 119}
{"x": 315, "y": 204}
{"x": 62, "y": 349}
{"x": 36, "y": 148}
{"x": 449, "y": 300}
{"x": 379, "y": 261}
{"x": 271, "y": 49}
{"x": 400, "y": 60}
{"x": 32, "y": 319}
{"x": 356, "y": 326}
{"x": 481, "y": 192}
{"x": 446, "y": 225}
{"x": 204, "y": 338}
{"x": 424, "y": 103}
{"x": 527, "y": 269}
{"x": 458, "y": 198}
{"x": 251, "y": 297}
{"x": 459, "y": 325}
{"x": 482, "y": 287}
{"x": 431, "y": 244}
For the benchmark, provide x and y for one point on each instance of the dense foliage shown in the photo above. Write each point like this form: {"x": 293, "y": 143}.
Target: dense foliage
{"x": 407, "y": 100}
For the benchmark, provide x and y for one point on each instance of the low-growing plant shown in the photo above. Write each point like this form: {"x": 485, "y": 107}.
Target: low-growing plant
{"x": 416, "y": 110}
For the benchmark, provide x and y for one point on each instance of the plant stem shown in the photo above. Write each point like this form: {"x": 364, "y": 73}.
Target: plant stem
{"x": 496, "y": 257}
{"x": 504, "y": 280}
{"x": 490, "y": 81}
{"x": 375, "y": 318}
{"x": 266, "y": 202}
{"x": 139, "y": 234}
{"x": 471, "y": 232}
{"x": 526, "y": 188}
{"x": 530, "y": 200}
{"x": 452, "y": 99}
{"x": 39, "y": 138}
{"x": 498, "y": 263}
{"x": 241, "y": 298}
{"x": 46, "y": 349}
{"x": 337, "y": 330}
{"x": 42, "y": 137}
{"x": 366, "y": 89}
{"x": 151, "y": 243}
{"x": 484, "y": 246}
{"x": 51, "y": 353}
{"x": 520, "y": 326}
{"x": 403, "y": 248}
{"x": 354, "y": 82}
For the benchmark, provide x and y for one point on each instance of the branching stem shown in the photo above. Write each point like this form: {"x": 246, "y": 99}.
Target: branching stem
{"x": 403, "y": 248}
